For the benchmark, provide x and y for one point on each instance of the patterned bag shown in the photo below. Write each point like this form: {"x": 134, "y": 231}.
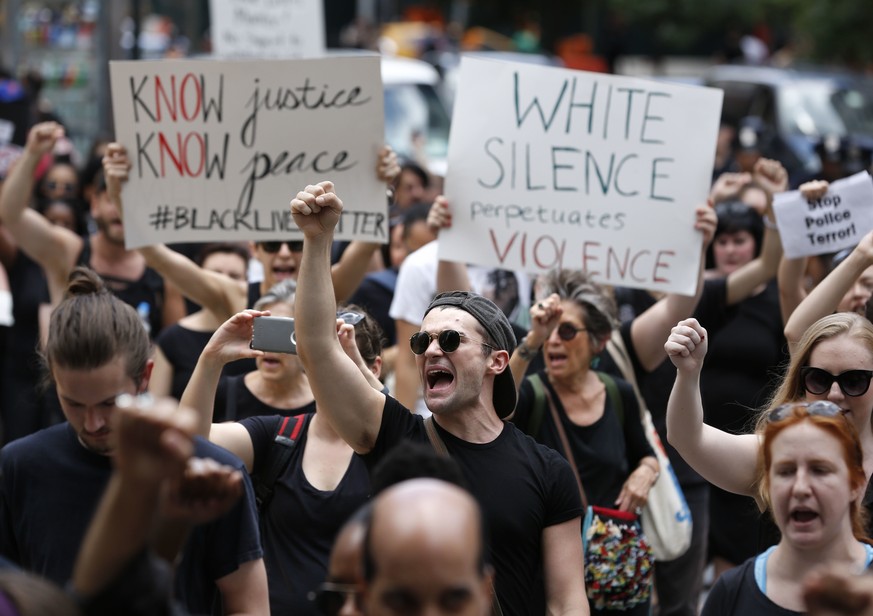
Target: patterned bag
{"x": 618, "y": 559}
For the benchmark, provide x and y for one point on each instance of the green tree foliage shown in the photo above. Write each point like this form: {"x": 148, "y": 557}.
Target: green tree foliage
{"x": 831, "y": 31}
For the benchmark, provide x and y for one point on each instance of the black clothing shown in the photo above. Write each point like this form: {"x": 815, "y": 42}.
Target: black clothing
{"x": 142, "y": 588}
{"x": 51, "y": 486}
{"x": 145, "y": 294}
{"x": 605, "y": 452}
{"x": 301, "y": 522}
{"x": 234, "y": 401}
{"x": 254, "y": 294}
{"x": 522, "y": 487}
{"x": 736, "y": 592}
{"x": 24, "y": 407}
{"x": 746, "y": 352}
{"x": 182, "y": 347}
{"x": 374, "y": 295}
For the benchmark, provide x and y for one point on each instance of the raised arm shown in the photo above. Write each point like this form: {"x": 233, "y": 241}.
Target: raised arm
{"x": 726, "y": 460}
{"x": 544, "y": 317}
{"x": 825, "y": 298}
{"x": 772, "y": 177}
{"x": 54, "y": 248}
{"x": 223, "y": 296}
{"x": 343, "y": 395}
{"x": 348, "y": 273}
{"x": 653, "y": 326}
{"x": 228, "y": 343}
{"x": 153, "y": 445}
{"x": 451, "y": 275}
{"x": 791, "y": 271}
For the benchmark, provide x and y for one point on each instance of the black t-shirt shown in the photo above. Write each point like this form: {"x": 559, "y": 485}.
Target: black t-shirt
{"x": 301, "y": 521}
{"x": 736, "y": 593}
{"x": 51, "y": 486}
{"x": 522, "y": 486}
{"x": 234, "y": 401}
{"x": 605, "y": 452}
{"x": 22, "y": 403}
{"x": 182, "y": 347}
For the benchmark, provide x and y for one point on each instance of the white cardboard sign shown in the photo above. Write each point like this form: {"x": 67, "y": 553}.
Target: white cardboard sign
{"x": 838, "y": 220}
{"x": 219, "y": 148}
{"x": 267, "y": 28}
{"x": 555, "y": 168}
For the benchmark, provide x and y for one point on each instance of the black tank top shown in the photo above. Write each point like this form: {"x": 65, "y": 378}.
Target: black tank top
{"x": 146, "y": 294}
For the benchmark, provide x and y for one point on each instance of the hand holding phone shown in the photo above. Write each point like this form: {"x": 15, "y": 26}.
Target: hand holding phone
{"x": 274, "y": 334}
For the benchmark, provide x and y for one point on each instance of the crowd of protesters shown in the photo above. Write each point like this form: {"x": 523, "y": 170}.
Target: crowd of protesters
{"x": 156, "y": 462}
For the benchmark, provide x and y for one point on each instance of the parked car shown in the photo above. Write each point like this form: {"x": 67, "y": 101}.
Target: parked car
{"x": 800, "y": 109}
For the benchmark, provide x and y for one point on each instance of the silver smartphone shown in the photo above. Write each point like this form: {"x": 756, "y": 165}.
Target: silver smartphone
{"x": 274, "y": 334}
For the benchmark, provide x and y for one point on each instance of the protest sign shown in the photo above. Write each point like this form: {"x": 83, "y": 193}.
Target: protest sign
{"x": 220, "y": 148}
{"x": 555, "y": 168}
{"x": 818, "y": 226}
{"x": 267, "y": 28}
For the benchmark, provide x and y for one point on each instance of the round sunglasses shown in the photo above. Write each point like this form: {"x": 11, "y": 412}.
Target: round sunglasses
{"x": 567, "y": 331}
{"x": 448, "y": 339}
{"x": 274, "y": 247}
{"x": 819, "y": 408}
{"x": 852, "y": 383}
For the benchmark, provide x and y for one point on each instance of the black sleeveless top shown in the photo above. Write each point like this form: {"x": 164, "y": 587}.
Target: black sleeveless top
{"x": 146, "y": 294}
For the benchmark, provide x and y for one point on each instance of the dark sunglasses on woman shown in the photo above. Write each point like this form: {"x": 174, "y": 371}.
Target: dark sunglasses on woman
{"x": 274, "y": 247}
{"x": 448, "y": 339}
{"x": 852, "y": 383}
{"x": 567, "y": 331}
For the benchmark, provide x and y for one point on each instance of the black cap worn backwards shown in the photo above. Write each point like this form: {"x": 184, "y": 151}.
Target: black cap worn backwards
{"x": 497, "y": 326}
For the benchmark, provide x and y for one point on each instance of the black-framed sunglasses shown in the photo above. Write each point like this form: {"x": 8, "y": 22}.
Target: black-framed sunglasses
{"x": 567, "y": 331}
{"x": 68, "y": 188}
{"x": 274, "y": 247}
{"x": 819, "y": 408}
{"x": 852, "y": 383}
{"x": 330, "y": 597}
{"x": 448, "y": 339}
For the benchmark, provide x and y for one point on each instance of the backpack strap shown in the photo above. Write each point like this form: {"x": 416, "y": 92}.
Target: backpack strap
{"x": 614, "y": 395}
{"x": 536, "y": 414}
{"x": 278, "y": 458}
{"x": 434, "y": 437}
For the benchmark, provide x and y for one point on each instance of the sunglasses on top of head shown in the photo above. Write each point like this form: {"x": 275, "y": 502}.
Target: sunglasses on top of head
{"x": 819, "y": 408}
{"x": 852, "y": 383}
{"x": 274, "y": 247}
{"x": 448, "y": 339}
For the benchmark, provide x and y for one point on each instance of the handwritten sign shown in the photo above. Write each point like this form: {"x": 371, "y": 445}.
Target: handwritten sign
{"x": 838, "y": 220}
{"x": 555, "y": 168}
{"x": 267, "y": 28}
{"x": 220, "y": 148}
